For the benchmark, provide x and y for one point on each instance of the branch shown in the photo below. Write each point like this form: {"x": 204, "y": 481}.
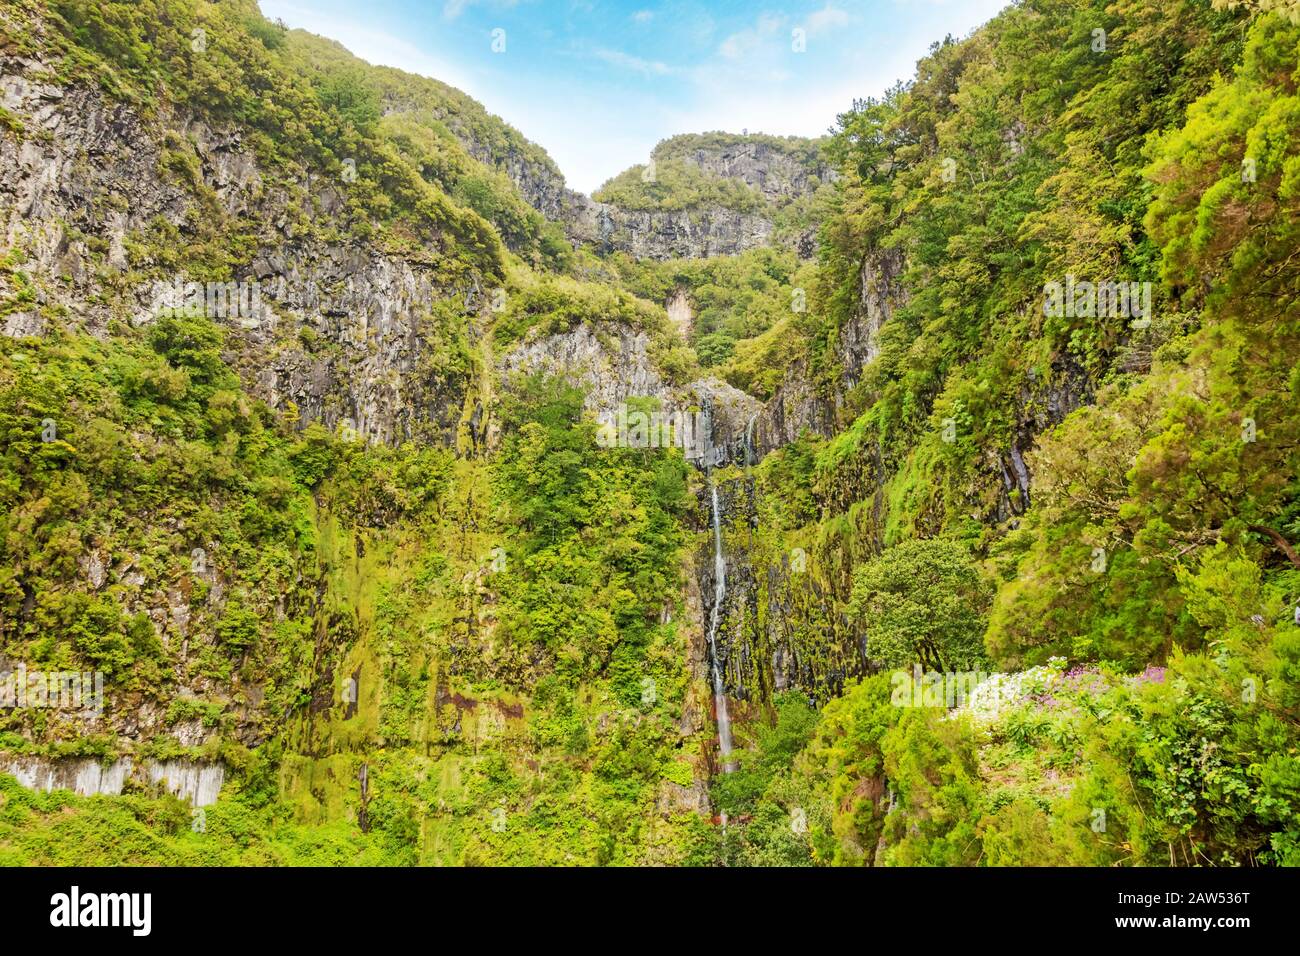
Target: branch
{"x": 1282, "y": 544}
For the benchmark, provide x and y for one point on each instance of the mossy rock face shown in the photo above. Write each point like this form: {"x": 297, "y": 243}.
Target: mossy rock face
{"x": 359, "y": 551}
{"x": 321, "y": 789}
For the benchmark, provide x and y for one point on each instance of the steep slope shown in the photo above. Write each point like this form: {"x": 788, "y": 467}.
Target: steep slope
{"x": 376, "y": 474}
{"x": 778, "y": 184}
{"x": 269, "y": 475}
{"x": 994, "y": 472}
{"x": 720, "y": 213}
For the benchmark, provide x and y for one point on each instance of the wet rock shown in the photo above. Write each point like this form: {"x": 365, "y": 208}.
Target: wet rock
{"x": 798, "y": 405}
{"x": 92, "y": 566}
{"x": 680, "y": 313}
{"x": 197, "y": 783}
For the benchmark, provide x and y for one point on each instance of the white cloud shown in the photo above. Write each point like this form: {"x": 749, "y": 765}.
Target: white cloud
{"x": 643, "y": 16}
{"x": 452, "y": 9}
{"x": 826, "y": 18}
{"x": 744, "y": 42}
{"x": 634, "y": 63}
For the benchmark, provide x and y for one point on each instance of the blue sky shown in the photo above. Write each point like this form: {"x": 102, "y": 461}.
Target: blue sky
{"x": 597, "y": 84}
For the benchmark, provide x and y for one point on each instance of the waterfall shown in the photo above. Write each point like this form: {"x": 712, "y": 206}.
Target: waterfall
{"x": 719, "y": 595}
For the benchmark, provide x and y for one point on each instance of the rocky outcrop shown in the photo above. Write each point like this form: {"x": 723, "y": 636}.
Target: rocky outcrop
{"x": 779, "y": 174}
{"x": 729, "y": 417}
{"x": 671, "y": 234}
{"x": 710, "y": 420}
{"x": 798, "y": 404}
{"x": 643, "y": 234}
{"x": 199, "y": 784}
{"x": 680, "y": 313}
{"x": 364, "y": 334}
{"x": 339, "y": 328}
{"x": 880, "y": 292}
{"x": 610, "y": 364}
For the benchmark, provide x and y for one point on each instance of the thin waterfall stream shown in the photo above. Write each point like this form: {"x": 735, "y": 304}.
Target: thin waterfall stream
{"x": 719, "y": 595}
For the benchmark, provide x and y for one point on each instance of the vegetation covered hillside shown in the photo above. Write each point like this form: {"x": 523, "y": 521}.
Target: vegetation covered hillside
{"x": 989, "y": 555}
{"x": 782, "y": 179}
{"x": 1113, "y": 494}
{"x": 352, "y": 608}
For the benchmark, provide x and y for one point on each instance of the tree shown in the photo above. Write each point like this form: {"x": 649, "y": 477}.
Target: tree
{"x": 922, "y": 602}
{"x": 347, "y": 95}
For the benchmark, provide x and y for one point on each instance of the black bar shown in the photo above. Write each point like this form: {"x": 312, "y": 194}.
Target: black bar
{"x": 342, "y": 905}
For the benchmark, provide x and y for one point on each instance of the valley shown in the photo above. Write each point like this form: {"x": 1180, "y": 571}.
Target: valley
{"x": 782, "y": 503}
